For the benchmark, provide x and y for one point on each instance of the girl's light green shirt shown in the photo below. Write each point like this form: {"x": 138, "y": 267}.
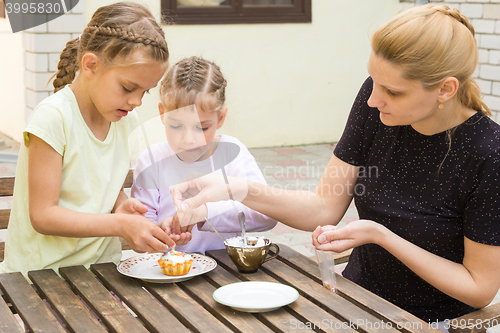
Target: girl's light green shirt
{"x": 93, "y": 173}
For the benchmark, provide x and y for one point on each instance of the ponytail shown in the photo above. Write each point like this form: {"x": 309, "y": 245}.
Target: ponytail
{"x": 469, "y": 95}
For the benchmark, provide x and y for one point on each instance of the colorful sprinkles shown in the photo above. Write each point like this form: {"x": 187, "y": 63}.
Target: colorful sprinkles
{"x": 328, "y": 286}
{"x": 170, "y": 267}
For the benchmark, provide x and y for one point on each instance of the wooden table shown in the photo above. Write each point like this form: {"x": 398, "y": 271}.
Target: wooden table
{"x": 189, "y": 305}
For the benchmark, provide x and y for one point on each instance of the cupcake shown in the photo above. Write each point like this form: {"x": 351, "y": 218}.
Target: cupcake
{"x": 175, "y": 263}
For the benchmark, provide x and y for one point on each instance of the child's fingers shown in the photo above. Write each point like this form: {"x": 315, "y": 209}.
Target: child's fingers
{"x": 165, "y": 225}
{"x": 175, "y": 238}
{"x": 185, "y": 237}
{"x": 133, "y": 206}
{"x": 161, "y": 242}
{"x": 189, "y": 228}
{"x": 139, "y": 207}
{"x": 175, "y": 226}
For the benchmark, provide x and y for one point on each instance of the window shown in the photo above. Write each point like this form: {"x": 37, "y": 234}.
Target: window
{"x": 2, "y": 8}
{"x": 235, "y": 11}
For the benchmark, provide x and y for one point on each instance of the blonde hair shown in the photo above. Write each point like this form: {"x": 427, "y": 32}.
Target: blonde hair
{"x": 116, "y": 30}
{"x": 431, "y": 43}
{"x": 194, "y": 81}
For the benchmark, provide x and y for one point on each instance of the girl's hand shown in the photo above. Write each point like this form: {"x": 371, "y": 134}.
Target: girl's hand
{"x": 330, "y": 238}
{"x": 131, "y": 206}
{"x": 171, "y": 226}
{"x": 144, "y": 235}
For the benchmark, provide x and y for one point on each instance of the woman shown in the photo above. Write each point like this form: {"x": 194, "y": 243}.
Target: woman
{"x": 421, "y": 159}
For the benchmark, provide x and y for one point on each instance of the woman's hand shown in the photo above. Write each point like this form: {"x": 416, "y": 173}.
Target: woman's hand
{"x": 356, "y": 233}
{"x": 184, "y": 219}
{"x": 172, "y": 227}
{"x": 209, "y": 188}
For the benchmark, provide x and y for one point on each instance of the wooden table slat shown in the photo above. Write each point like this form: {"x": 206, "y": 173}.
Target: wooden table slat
{"x": 304, "y": 309}
{"x": 65, "y": 303}
{"x": 202, "y": 291}
{"x": 8, "y": 323}
{"x": 4, "y": 218}
{"x": 190, "y": 313}
{"x": 279, "y": 320}
{"x": 358, "y": 295}
{"x": 7, "y": 186}
{"x": 189, "y": 305}
{"x": 155, "y": 317}
{"x": 112, "y": 313}
{"x": 348, "y": 313}
{"x": 32, "y": 310}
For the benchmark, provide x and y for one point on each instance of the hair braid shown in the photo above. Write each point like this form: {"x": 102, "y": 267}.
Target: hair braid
{"x": 454, "y": 13}
{"x": 67, "y": 65}
{"x": 191, "y": 74}
{"x": 116, "y": 30}
{"x": 193, "y": 81}
{"x": 128, "y": 36}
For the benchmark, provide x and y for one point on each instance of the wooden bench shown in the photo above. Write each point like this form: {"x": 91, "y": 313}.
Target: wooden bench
{"x": 474, "y": 322}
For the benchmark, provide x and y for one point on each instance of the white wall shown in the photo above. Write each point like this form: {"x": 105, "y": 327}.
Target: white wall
{"x": 288, "y": 84}
{"x": 12, "y": 103}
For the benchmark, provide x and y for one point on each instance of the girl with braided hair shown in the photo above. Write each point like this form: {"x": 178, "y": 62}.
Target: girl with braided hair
{"x": 69, "y": 203}
{"x": 421, "y": 159}
{"x": 192, "y": 109}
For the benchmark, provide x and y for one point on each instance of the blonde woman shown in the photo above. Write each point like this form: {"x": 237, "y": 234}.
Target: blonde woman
{"x": 420, "y": 157}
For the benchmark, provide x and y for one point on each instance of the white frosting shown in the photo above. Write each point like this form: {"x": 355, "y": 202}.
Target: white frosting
{"x": 238, "y": 241}
{"x": 176, "y": 259}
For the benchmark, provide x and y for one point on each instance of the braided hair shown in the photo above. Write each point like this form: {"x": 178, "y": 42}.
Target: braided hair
{"x": 431, "y": 43}
{"x": 194, "y": 80}
{"x": 115, "y": 30}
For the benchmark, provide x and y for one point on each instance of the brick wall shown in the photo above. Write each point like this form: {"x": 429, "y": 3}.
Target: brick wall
{"x": 42, "y": 46}
{"x": 485, "y": 17}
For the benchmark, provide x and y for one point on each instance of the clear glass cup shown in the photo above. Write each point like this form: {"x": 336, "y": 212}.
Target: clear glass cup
{"x": 326, "y": 263}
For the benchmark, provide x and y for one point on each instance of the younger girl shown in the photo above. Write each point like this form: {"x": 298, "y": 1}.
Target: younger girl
{"x": 192, "y": 109}
{"x": 75, "y": 155}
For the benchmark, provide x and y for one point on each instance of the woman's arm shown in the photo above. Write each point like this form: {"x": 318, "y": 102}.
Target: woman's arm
{"x": 48, "y": 218}
{"x": 299, "y": 209}
{"x": 475, "y": 281}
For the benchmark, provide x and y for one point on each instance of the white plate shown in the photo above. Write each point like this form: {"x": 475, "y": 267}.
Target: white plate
{"x": 255, "y": 296}
{"x": 145, "y": 267}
